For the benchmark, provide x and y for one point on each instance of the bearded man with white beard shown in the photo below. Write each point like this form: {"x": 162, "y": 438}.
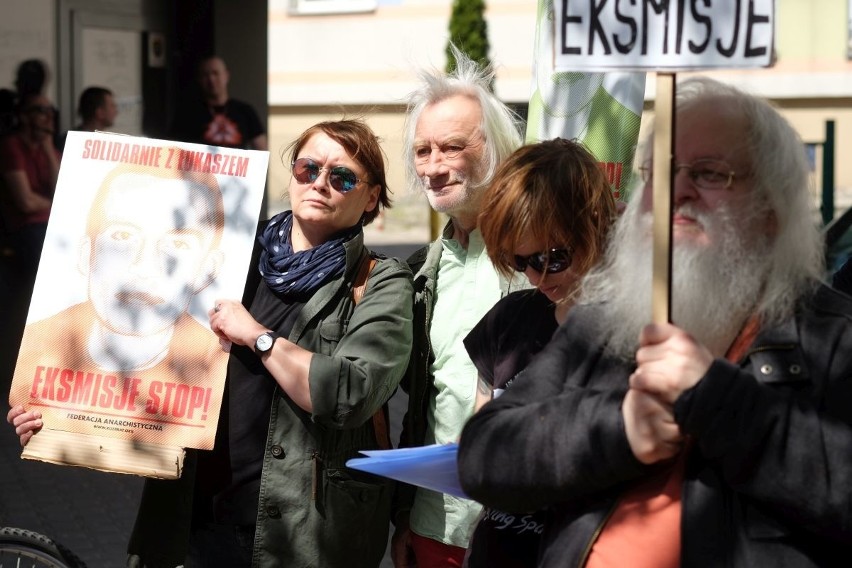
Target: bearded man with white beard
{"x": 722, "y": 439}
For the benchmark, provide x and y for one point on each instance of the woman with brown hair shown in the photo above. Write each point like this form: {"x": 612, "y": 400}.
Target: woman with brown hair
{"x": 547, "y": 214}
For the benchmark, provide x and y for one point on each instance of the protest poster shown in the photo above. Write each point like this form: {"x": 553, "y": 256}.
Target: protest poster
{"x": 663, "y": 36}
{"x": 117, "y": 352}
{"x": 601, "y": 110}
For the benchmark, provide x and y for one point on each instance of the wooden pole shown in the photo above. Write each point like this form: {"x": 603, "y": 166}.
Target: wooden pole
{"x": 662, "y": 209}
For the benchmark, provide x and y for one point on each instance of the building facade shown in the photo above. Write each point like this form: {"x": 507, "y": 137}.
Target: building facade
{"x": 329, "y": 58}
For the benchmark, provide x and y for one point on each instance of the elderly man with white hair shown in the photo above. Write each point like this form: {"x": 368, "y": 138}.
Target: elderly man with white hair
{"x": 724, "y": 438}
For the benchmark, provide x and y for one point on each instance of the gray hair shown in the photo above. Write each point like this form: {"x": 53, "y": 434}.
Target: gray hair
{"x": 780, "y": 179}
{"x": 499, "y": 127}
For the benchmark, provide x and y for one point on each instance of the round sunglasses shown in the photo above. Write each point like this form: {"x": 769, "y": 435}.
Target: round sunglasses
{"x": 550, "y": 262}
{"x": 341, "y": 178}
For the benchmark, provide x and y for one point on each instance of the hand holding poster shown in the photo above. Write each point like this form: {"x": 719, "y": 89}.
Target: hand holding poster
{"x": 143, "y": 235}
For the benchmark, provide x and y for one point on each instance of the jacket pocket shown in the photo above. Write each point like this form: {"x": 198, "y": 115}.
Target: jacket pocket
{"x": 330, "y": 333}
{"x": 357, "y": 514}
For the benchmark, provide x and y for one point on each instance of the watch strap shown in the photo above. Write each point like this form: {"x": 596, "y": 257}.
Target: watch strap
{"x": 272, "y": 335}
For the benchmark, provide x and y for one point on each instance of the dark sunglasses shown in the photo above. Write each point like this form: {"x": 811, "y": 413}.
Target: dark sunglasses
{"x": 551, "y": 262}
{"x": 344, "y": 180}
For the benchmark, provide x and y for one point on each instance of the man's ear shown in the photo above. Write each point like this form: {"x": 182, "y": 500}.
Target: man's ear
{"x": 208, "y": 271}
{"x": 84, "y": 259}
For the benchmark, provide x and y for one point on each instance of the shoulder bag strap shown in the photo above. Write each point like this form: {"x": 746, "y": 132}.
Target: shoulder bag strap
{"x": 380, "y": 419}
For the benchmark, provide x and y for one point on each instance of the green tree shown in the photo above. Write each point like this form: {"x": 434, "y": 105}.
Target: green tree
{"x": 469, "y": 32}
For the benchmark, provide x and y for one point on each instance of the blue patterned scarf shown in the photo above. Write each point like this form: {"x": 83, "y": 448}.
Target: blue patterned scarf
{"x": 300, "y": 274}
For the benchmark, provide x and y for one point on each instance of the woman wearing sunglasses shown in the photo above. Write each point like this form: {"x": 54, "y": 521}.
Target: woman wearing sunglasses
{"x": 547, "y": 213}
{"x": 308, "y": 371}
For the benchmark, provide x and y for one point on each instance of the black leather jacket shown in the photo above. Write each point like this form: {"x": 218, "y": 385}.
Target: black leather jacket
{"x": 769, "y": 478}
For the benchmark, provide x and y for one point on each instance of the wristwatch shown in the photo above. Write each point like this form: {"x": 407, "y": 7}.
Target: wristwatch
{"x": 264, "y": 342}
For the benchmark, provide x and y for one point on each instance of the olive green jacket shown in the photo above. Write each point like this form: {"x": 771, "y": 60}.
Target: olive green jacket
{"x": 313, "y": 511}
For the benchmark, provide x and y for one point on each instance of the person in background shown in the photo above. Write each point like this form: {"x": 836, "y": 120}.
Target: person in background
{"x": 31, "y": 78}
{"x": 457, "y": 133}
{"x": 8, "y": 118}
{"x": 97, "y": 111}
{"x": 29, "y": 166}
{"x": 215, "y": 118}
{"x": 546, "y": 214}
{"x": 720, "y": 438}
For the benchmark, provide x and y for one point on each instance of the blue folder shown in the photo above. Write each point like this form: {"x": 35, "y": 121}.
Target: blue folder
{"x": 432, "y": 467}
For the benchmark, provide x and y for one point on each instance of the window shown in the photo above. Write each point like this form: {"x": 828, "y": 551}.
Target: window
{"x": 313, "y": 7}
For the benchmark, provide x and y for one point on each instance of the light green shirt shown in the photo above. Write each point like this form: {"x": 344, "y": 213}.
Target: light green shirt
{"x": 467, "y": 287}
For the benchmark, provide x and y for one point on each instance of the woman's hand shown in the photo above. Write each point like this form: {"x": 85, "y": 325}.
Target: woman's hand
{"x": 288, "y": 363}
{"x": 26, "y": 423}
{"x": 231, "y": 321}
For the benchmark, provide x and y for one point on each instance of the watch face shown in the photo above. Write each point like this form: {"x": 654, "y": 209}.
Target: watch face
{"x": 264, "y": 342}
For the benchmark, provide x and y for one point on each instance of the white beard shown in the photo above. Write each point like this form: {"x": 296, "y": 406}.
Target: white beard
{"x": 715, "y": 288}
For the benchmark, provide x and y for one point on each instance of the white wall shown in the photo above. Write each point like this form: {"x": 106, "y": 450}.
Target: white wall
{"x": 27, "y": 31}
{"x": 370, "y": 58}
{"x": 323, "y": 65}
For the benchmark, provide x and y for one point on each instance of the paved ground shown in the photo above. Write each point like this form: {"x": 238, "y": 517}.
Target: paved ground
{"x": 91, "y": 512}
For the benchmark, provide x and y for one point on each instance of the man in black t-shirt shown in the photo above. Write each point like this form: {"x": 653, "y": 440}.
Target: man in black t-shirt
{"x": 217, "y": 119}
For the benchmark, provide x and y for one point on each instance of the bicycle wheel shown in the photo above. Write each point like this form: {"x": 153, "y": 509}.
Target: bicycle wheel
{"x": 21, "y": 548}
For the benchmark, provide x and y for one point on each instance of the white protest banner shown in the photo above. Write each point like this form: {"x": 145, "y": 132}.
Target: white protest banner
{"x": 143, "y": 236}
{"x": 663, "y": 35}
{"x": 602, "y": 110}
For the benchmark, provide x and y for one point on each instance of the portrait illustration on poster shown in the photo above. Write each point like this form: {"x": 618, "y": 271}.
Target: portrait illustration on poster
{"x": 143, "y": 236}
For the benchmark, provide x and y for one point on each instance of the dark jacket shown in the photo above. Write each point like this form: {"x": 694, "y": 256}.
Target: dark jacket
{"x": 313, "y": 511}
{"x": 842, "y": 279}
{"x": 768, "y": 480}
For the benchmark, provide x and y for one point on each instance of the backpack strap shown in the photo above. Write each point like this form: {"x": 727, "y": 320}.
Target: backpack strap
{"x": 380, "y": 418}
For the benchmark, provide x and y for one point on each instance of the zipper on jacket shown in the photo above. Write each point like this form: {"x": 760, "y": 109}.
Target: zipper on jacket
{"x": 588, "y": 550}
{"x": 425, "y": 394}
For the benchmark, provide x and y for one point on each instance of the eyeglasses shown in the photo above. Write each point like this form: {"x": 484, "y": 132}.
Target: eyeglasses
{"x": 705, "y": 174}
{"x": 341, "y": 178}
{"x": 551, "y": 262}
